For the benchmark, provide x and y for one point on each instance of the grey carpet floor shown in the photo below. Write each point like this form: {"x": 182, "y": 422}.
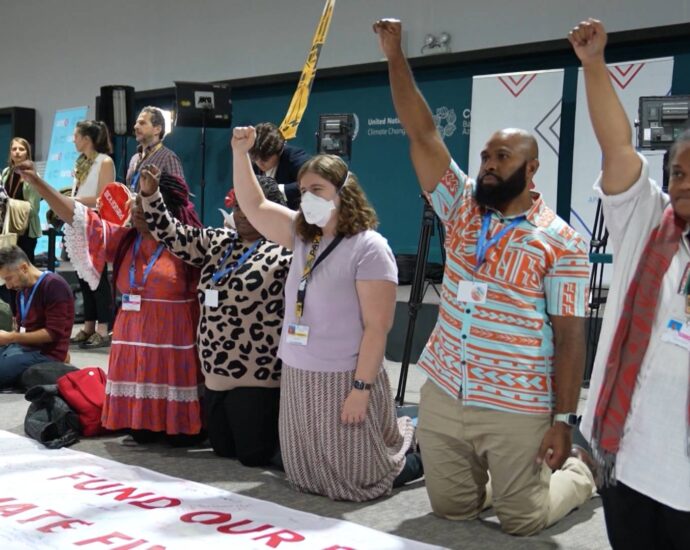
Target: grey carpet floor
{"x": 406, "y": 513}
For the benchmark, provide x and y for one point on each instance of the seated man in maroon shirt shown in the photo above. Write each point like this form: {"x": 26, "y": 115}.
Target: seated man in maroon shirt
{"x": 45, "y": 315}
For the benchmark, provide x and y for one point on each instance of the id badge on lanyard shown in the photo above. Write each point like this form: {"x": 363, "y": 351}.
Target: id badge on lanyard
{"x": 132, "y": 300}
{"x": 298, "y": 333}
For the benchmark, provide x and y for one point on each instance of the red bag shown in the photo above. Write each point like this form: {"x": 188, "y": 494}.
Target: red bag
{"x": 84, "y": 392}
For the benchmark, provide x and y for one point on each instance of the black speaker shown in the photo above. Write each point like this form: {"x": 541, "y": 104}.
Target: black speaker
{"x": 115, "y": 107}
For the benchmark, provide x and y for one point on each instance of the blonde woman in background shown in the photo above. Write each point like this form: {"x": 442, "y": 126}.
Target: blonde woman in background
{"x": 16, "y": 188}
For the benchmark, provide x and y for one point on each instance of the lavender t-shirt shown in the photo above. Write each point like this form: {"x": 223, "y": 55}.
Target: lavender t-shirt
{"x": 331, "y": 307}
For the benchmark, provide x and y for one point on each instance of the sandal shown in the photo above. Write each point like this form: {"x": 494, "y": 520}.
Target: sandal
{"x": 95, "y": 341}
{"x": 81, "y": 337}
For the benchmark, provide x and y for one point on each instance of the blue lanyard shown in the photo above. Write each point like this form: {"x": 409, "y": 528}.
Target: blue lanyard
{"x": 220, "y": 273}
{"x": 483, "y": 245}
{"x": 135, "y": 180}
{"x": 147, "y": 268}
{"x": 24, "y": 307}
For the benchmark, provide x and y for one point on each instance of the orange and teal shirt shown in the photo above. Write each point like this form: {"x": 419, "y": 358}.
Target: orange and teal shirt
{"x": 499, "y": 352}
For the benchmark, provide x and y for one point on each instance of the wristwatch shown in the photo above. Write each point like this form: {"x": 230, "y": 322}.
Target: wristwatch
{"x": 567, "y": 418}
{"x": 361, "y": 385}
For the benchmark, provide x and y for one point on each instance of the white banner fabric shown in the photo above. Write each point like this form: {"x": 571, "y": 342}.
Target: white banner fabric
{"x": 70, "y": 499}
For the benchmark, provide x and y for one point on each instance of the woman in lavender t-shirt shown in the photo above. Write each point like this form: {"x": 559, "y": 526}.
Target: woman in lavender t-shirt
{"x": 338, "y": 431}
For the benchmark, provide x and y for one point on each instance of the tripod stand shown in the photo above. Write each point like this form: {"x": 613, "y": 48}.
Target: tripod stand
{"x": 202, "y": 182}
{"x": 417, "y": 290}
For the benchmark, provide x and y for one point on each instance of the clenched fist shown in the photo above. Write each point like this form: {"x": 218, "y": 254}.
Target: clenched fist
{"x": 588, "y": 40}
{"x": 243, "y": 138}
{"x": 389, "y": 32}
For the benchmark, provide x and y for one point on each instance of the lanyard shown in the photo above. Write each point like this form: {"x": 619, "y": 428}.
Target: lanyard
{"x": 144, "y": 155}
{"x": 483, "y": 245}
{"x": 687, "y": 298}
{"x": 309, "y": 267}
{"x": 135, "y": 181}
{"x": 220, "y": 273}
{"x": 24, "y": 307}
{"x": 147, "y": 268}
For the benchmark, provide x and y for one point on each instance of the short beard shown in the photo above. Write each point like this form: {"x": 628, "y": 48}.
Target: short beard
{"x": 497, "y": 195}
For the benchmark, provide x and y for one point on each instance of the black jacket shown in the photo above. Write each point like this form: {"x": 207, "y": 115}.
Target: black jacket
{"x": 49, "y": 419}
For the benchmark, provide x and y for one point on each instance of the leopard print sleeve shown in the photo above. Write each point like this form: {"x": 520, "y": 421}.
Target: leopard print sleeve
{"x": 189, "y": 244}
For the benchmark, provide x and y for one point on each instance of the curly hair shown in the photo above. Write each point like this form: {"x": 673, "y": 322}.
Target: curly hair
{"x": 269, "y": 141}
{"x": 268, "y": 185}
{"x": 355, "y": 213}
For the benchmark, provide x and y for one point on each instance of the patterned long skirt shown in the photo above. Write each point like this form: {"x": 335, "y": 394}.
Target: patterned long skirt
{"x": 154, "y": 375}
{"x": 324, "y": 456}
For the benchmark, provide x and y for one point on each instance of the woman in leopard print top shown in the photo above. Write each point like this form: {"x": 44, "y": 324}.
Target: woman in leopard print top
{"x": 241, "y": 293}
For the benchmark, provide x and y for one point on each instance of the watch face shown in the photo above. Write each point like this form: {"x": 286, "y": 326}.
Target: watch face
{"x": 358, "y": 385}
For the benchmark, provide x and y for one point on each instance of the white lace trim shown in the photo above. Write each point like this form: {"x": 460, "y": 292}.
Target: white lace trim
{"x": 77, "y": 243}
{"x": 186, "y": 394}
{"x": 145, "y": 345}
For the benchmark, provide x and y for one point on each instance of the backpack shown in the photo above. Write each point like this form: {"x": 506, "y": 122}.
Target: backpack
{"x": 84, "y": 392}
{"x": 49, "y": 419}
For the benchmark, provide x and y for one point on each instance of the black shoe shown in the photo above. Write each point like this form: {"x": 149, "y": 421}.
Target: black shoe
{"x": 413, "y": 469}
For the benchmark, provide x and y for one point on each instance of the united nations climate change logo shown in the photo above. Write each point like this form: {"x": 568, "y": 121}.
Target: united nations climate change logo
{"x": 445, "y": 120}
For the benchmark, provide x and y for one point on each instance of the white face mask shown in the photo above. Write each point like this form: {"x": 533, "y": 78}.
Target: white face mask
{"x": 316, "y": 210}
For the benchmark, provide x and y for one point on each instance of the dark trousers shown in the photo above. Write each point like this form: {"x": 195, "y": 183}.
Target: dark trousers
{"x": 15, "y": 359}
{"x": 98, "y": 303}
{"x": 635, "y": 521}
{"x": 28, "y": 245}
{"x": 243, "y": 423}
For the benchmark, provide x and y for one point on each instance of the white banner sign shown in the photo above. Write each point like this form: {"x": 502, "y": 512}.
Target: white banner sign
{"x": 531, "y": 101}
{"x": 631, "y": 81}
{"x": 69, "y": 499}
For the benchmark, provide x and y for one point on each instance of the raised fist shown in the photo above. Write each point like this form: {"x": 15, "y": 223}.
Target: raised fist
{"x": 389, "y": 32}
{"x": 588, "y": 40}
{"x": 243, "y": 138}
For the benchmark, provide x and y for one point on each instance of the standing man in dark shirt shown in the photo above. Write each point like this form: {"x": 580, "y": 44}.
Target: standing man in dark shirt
{"x": 149, "y": 131}
{"x": 271, "y": 156}
{"x": 45, "y": 315}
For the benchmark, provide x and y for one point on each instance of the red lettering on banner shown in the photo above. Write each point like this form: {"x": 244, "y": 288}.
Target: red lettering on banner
{"x": 72, "y": 476}
{"x": 64, "y": 524}
{"x": 111, "y": 538}
{"x": 125, "y": 494}
{"x": 215, "y": 517}
{"x": 7, "y": 510}
{"x": 148, "y": 504}
{"x": 122, "y": 494}
{"x": 230, "y": 528}
{"x": 84, "y": 485}
{"x": 131, "y": 545}
{"x": 276, "y": 538}
{"x": 44, "y": 515}
{"x": 208, "y": 517}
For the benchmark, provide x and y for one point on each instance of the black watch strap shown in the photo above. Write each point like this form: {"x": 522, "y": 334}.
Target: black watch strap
{"x": 361, "y": 385}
